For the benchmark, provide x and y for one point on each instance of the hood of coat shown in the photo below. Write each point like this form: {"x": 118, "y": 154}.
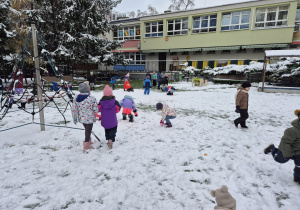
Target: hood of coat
{"x": 241, "y": 88}
{"x": 129, "y": 97}
{"x": 107, "y": 102}
{"x": 295, "y": 123}
{"x": 81, "y": 97}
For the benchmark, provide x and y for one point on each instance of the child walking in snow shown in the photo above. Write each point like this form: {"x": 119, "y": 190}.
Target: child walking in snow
{"x": 113, "y": 81}
{"x": 241, "y": 102}
{"x": 289, "y": 147}
{"x": 84, "y": 109}
{"x": 167, "y": 114}
{"x": 109, "y": 106}
{"x": 128, "y": 105}
{"x": 147, "y": 85}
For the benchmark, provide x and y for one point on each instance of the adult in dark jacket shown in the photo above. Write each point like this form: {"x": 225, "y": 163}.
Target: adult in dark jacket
{"x": 241, "y": 102}
{"x": 91, "y": 78}
{"x": 289, "y": 147}
{"x": 109, "y": 106}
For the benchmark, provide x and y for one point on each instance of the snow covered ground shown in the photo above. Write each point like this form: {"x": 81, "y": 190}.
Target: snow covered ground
{"x": 152, "y": 167}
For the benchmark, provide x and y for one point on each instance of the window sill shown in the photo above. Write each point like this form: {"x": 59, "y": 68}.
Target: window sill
{"x": 235, "y": 30}
{"x": 204, "y": 32}
{"x": 274, "y": 27}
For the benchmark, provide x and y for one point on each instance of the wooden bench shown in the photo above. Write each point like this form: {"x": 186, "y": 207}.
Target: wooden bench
{"x": 51, "y": 79}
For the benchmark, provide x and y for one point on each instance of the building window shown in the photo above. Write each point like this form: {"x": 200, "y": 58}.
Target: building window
{"x": 178, "y": 26}
{"x": 154, "y": 29}
{"x": 271, "y": 17}
{"x": 206, "y": 23}
{"x": 127, "y": 33}
{"x": 258, "y": 50}
{"x": 235, "y": 20}
{"x": 211, "y": 52}
{"x": 173, "y": 53}
{"x": 136, "y": 58}
{"x": 225, "y": 51}
{"x": 185, "y": 53}
{"x": 297, "y": 21}
{"x": 241, "y": 51}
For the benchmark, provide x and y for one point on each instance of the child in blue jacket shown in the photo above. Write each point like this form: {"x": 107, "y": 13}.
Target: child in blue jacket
{"x": 147, "y": 85}
{"x": 113, "y": 81}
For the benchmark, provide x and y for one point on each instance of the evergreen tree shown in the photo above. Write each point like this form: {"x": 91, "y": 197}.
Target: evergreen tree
{"x": 74, "y": 30}
{"x": 5, "y": 31}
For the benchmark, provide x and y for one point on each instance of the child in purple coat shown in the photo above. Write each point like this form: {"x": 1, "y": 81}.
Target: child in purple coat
{"x": 128, "y": 106}
{"x": 109, "y": 106}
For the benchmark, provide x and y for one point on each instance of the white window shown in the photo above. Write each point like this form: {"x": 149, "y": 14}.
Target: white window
{"x": 154, "y": 29}
{"x": 178, "y": 26}
{"x": 136, "y": 58}
{"x": 127, "y": 33}
{"x": 297, "y": 21}
{"x": 271, "y": 17}
{"x": 235, "y": 20}
{"x": 206, "y": 23}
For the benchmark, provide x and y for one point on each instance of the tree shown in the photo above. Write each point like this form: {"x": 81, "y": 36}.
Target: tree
{"x": 6, "y": 33}
{"x": 150, "y": 11}
{"x": 74, "y": 31}
{"x": 177, "y": 5}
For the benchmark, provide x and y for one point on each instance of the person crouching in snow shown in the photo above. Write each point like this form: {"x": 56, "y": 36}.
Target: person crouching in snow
{"x": 170, "y": 90}
{"x": 109, "y": 106}
{"x": 289, "y": 147}
{"x": 241, "y": 102}
{"x": 84, "y": 109}
{"x": 127, "y": 86}
{"x": 147, "y": 85}
{"x": 167, "y": 114}
{"x": 128, "y": 105}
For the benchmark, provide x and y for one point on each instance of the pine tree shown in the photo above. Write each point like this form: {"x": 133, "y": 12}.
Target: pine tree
{"x": 5, "y": 31}
{"x": 74, "y": 30}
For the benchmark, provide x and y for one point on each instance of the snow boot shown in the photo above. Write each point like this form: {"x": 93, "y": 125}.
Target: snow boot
{"x": 245, "y": 126}
{"x": 269, "y": 149}
{"x": 110, "y": 144}
{"x": 169, "y": 125}
{"x": 10, "y": 105}
{"x": 22, "y": 105}
{"x": 90, "y": 142}
{"x": 124, "y": 116}
{"x": 86, "y": 146}
{"x": 130, "y": 118}
{"x": 297, "y": 178}
{"x": 236, "y": 123}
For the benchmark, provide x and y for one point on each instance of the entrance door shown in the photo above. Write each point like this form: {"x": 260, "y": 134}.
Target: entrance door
{"x": 162, "y": 61}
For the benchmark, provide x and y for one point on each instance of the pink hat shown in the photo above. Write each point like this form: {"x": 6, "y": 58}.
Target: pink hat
{"x": 107, "y": 91}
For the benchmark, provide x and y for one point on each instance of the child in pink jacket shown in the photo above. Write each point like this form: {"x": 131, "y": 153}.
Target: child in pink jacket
{"x": 167, "y": 114}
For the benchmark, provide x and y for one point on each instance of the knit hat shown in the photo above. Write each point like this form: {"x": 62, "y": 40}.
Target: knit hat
{"x": 246, "y": 84}
{"x": 297, "y": 113}
{"x": 159, "y": 106}
{"x": 84, "y": 88}
{"x": 223, "y": 198}
{"x": 107, "y": 91}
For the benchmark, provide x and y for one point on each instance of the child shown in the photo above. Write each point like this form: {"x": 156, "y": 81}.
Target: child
{"x": 17, "y": 87}
{"x": 113, "y": 81}
{"x": 164, "y": 82}
{"x": 128, "y": 105}
{"x": 167, "y": 114}
{"x": 147, "y": 85}
{"x": 84, "y": 109}
{"x": 170, "y": 90}
{"x": 127, "y": 77}
{"x": 241, "y": 102}
{"x": 91, "y": 79}
{"x": 154, "y": 79}
{"x": 109, "y": 106}
{"x": 127, "y": 86}
{"x": 289, "y": 147}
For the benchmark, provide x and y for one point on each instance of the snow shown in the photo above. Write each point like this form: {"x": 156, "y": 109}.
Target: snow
{"x": 282, "y": 53}
{"x": 152, "y": 167}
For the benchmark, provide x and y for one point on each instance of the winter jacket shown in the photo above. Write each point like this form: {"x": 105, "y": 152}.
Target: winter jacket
{"x": 91, "y": 79}
{"x": 147, "y": 83}
{"x": 159, "y": 77}
{"x": 290, "y": 142}
{"x": 154, "y": 77}
{"x": 127, "y": 85}
{"x": 84, "y": 109}
{"x": 164, "y": 80}
{"x": 109, "y": 106}
{"x": 17, "y": 81}
{"x": 113, "y": 81}
{"x": 241, "y": 98}
{"x": 128, "y": 103}
{"x": 166, "y": 110}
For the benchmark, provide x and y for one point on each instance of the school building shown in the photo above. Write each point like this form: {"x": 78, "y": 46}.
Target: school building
{"x": 207, "y": 37}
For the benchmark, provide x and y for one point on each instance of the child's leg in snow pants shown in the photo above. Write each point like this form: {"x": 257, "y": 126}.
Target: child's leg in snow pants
{"x": 111, "y": 133}
{"x": 88, "y": 130}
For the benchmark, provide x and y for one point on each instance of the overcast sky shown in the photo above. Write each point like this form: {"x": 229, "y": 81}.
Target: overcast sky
{"x": 162, "y": 5}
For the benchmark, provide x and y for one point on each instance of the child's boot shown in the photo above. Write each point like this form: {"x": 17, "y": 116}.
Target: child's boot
{"x": 169, "y": 125}
{"x": 86, "y": 146}
{"x": 297, "y": 178}
{"x": 124, "y": 116}
{"x": 130, "y": 118}
{"x": 110, "y": 144}
{"x": 269, "y": 148}
{"x": 90, "y": 142}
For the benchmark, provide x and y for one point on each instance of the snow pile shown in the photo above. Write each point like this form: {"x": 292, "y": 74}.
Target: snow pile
{"x": 152, "y": 167}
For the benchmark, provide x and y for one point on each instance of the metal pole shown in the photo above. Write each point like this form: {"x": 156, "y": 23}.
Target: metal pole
{"x": 38, "y": 77}
{"x": 264, "y": 74}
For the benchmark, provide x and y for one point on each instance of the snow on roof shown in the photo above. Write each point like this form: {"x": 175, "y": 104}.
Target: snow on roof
{"x": 282, "y": 53}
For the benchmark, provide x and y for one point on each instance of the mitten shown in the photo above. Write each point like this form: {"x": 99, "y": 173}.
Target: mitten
{"x": 237, "y": 110}
{"x": 135, "y": 113}
{"x": 161, "y": 123}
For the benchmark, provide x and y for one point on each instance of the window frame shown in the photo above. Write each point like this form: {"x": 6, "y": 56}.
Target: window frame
{"x": 209, "y": 28}
{"x": 134, "y": 56}
{"x": 181, "y": 31}
{"x": 267, "y": 12}
{"x": 156, "y": 33}
{"x": 136, "y": 33}
{"x": 231, "y": 26}
{"x": 297, "y": 21}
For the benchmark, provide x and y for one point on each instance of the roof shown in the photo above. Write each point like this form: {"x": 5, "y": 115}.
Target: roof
{"x": 282, "y": 53}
